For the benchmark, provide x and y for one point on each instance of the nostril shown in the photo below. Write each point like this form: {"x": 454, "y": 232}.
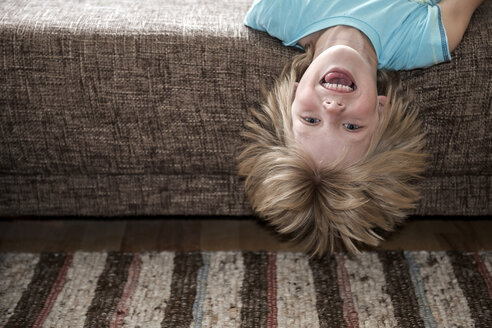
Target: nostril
{"x": 333, "y": 103}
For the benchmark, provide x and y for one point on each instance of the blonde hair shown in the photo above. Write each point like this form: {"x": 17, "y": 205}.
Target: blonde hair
{"x": 322, "y": 205}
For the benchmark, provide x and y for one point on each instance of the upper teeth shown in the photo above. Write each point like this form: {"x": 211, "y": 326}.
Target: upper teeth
{"x": 337, "y": 86}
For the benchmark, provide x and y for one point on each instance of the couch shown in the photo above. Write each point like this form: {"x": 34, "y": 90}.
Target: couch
{"x": 135, "y": 107}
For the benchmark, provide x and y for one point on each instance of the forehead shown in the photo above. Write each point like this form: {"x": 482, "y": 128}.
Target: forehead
{"x": 329, "y": 149}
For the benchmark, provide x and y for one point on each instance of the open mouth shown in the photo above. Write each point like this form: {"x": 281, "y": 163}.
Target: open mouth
{"x": 338, "y": 81}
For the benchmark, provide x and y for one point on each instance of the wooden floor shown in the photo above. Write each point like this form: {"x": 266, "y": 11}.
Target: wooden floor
{"x": 156, "y": 234}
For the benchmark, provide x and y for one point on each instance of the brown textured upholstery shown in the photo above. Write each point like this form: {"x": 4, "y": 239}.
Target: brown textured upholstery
{"x": 135, "y": 108}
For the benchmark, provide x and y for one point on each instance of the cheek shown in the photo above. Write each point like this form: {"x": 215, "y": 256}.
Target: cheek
{"x": 368, "y": 105}
{"x": 305, "y": 95}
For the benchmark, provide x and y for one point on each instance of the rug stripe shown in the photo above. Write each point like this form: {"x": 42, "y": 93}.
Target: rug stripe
{"x": 201, "y": 291}
{"x": 328, "y": 300}
{"x": 109, "y": 289}
{"x": 487, "y": 260}
{"x": 74, "y": 299}
{"x": 372, "y": 303}
{"x": 445, "y": 297}
{"x": 149, "y": 302}
{"x": 179, "y": 311}
{"x": 34, "y": 297}
{"x": 16, "y": 272}
{"x": 272, "y": 291}
{"x": 418, "y": 285}
{"x": 349, "y": 312}
{"x": 482, "y": 268}
{"x": 128, "y": 291}
{"x": 222, "y": 304}
{"x": 474, "y": 288}
{"x": 254, "y": 292}
{"x": 55, "y": 291}
{"x": 400, "y": 289}
{"x": 486, "y": 257}
{"x": 296, "y": 297}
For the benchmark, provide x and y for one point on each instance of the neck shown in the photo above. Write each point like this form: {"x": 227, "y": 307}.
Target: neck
{"x": 341, "y": 35}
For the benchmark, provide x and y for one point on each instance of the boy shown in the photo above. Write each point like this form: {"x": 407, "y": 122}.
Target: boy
{"x": 335, "y": 149}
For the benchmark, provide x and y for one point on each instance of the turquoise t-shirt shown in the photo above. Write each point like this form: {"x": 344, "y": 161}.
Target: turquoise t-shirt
{"x": 406, "y": 34}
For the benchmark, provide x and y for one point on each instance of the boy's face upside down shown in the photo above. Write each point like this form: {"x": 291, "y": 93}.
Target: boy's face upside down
{"x": 336, "y": 108}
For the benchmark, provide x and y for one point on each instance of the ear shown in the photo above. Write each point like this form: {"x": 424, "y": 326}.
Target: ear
{"x": 381, "y": 103}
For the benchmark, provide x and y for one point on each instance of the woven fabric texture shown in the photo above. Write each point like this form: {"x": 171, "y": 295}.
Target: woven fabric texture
{"x": 246, "y": 289}
{"x": 136, "y": 108}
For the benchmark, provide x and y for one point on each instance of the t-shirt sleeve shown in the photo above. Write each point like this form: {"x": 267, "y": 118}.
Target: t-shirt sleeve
{"x": 252, "y": 16}
{"x": 421, "y": 44}
{"x": 278, "y": 18}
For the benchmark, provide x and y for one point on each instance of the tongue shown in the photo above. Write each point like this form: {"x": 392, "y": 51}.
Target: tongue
{"x": 338, "y": 78}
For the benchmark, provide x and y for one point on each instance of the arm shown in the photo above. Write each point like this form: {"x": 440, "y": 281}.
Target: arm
{"x": 456, "y": 15}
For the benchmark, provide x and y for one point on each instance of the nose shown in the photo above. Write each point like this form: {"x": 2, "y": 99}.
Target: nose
{"x": 333, "y": 105}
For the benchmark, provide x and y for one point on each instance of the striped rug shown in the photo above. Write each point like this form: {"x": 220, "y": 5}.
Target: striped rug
{"x": 246, "y": 289}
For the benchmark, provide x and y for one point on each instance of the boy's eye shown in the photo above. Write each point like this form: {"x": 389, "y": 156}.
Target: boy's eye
{"x": 311, "y": 120}
{"x": 351, "y": 126}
